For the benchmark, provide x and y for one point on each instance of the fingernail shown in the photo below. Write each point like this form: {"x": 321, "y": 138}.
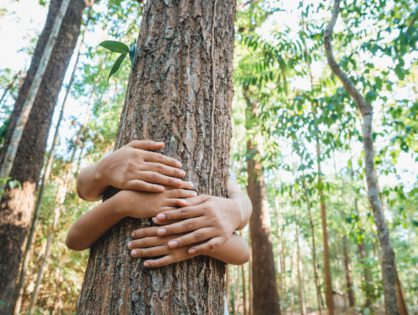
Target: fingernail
{"x": 192, "y": 251}
{"x": 133, "y": 252}
{"x": 191, "y": 184}
{"x": 155, "y": 220}
{"x": 133, "y": 234}
{"x": 130, "y": 245}
{"x": 172, "y": 243}
{"x": 146, "y": 264}
{"x": 160, "y": 216}
{"x": 161, "y": 231}
{"x": 194, "y": 193}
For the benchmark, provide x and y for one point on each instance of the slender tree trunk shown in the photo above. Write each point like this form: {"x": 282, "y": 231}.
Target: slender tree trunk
{"x": 250, "y": 285}
{"x": 180, "y": 93}
{"x": 403, "y": 309}
{"x": 17, "y": 205}
{"x": 388, "y": 256}
{"x": 314, "y": 257}
{"x": 300, "y": 275}
{"x": 244, "y": 286}
{"x": 327, "y": 269}
{"x": 348, "y": 275}
{"x": 45, "y": 180}
{"x": 34, "y": 88}
{"x": 367, "y": 286}
{"x": 265, "y": 295}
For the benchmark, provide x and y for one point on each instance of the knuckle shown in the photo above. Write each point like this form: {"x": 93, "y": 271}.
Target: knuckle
{"x": 188, "y": 225}
{"x": 197, "y": 236}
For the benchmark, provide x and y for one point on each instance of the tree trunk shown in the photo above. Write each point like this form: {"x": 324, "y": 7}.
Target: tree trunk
{"x": 180, "y": 93}
{"x": 327, "y": 269}
{"x": 314, "y": 257}
{"x": 16, "y": 206}
{"x": 45, "y": 179}
{"x": 388, "y": 255}
{"x": 243, "y": 286}
{"x": 265, "y": 295}
{"x": 348, "y": 276}
{"x": 300, "y": 275}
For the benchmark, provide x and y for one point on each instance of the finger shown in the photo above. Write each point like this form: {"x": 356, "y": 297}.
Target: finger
{"x": 166, "y": 222}
{"x": 208, "y": 246}
{"x": 181, "y": 193}
{"x": 146, "y": 144}
{"x": 145, "y": 232}
{"x": 193, "y": 201}
{"x": 161, "y": 158}
{"x": 192, "y": 238}
{"x": 160, "y": 262}
{"x": 165, "y": 169}
{"x": 147, "y": 242}
{"x": 187, "y": 185}
{"x": 182, "y": 213}
{"x": 180, "y": 227}
{"x": 136, "y": 184}
{"x": 150, "y": 252}
{"x": 156, "y": 178}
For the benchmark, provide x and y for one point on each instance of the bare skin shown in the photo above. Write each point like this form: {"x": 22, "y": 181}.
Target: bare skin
{"x": 148, "y": 193}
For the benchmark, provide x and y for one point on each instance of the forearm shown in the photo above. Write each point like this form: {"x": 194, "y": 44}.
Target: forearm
{"x": 93, "y": 224}
{"x": 234, "y": 251}
{"x": 242, "y": 202}
{"x": 90, "y": 187}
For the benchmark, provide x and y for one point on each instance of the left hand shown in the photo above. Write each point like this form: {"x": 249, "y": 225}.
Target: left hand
{"x": 209, "y": 220}
{"x": 157, "y": 246}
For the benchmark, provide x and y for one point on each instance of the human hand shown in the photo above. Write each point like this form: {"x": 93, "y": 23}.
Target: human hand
{"x": 138, "y": 204}
{"x": 134, "y": 167}
{"x": 157, "y": 246}
{"x": 208, "y": 219}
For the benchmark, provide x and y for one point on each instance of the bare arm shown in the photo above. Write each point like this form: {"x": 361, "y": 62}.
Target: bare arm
{"x": 94, "y": 223}
{"x": 234, "y": 251}
{"x": 243, "y": 202}
{"x": 132, "y": 167}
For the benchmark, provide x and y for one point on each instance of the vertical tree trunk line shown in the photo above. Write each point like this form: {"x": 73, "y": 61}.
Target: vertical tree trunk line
{"x": 348, "y": 275}
{"x": 179, "y": 92}
{"x": 45, "y": 177}
{"x": 388, "y": 263}
{"x": 17, "y": 205}
{"x": 11, "y": 150}
{"x": 314, "y": 255}
{"x": 265, "y": 294}
{"x": 300, "y": 275}
{"x": 327, "y": 268}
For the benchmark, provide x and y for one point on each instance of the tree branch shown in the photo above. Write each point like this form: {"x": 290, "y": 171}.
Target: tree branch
{"x": 363, "y": 106}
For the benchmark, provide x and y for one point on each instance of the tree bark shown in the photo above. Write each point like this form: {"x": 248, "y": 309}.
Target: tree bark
{"x": 265, "y": 295}
{"x": 327, "y": 269}
{"x": 348, "y": 275}
{"x": 388, "y": 256}
{"x": 180, "y": 93}
{"x": 299, "y": 269}
{"x": 45, "y": 179}
{"x": 16, "y": 206}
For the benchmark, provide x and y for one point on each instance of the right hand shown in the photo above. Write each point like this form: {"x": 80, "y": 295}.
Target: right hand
{"x": 133, "y": 167}
{"x": 141, "y": 205}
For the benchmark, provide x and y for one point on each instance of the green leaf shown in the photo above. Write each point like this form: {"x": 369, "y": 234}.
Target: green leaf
{"x": 115, "y": 46}
{"x": 132, "y": 49}
{"x": 116, "y": 65}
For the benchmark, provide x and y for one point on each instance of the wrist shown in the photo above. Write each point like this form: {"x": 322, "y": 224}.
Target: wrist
{"x": 119, "y": 205}
{"x": 237, "y": 209}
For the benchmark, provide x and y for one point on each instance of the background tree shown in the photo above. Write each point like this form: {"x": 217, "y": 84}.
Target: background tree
{"x": 17, "y": 203}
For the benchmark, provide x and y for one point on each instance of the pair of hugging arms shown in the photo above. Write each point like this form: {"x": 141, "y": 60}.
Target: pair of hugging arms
{"x": 152, "y": 186}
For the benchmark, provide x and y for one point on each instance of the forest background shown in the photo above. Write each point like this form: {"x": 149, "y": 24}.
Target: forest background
{"x": 307, "y": 126}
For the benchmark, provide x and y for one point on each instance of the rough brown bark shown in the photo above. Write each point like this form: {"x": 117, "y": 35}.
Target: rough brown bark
{"x": 180, "y": 93}
{"x": 314, "y": 256}
{"x": 348, "y": 275}
{"x": 327, "y": 268}
{"x": 265, "y": 295}
{"x": 17, "y": 204}
{"x": 388, "y": 255}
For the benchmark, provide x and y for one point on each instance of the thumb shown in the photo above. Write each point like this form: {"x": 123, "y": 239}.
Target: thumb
{"x": 192, "y": 201}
